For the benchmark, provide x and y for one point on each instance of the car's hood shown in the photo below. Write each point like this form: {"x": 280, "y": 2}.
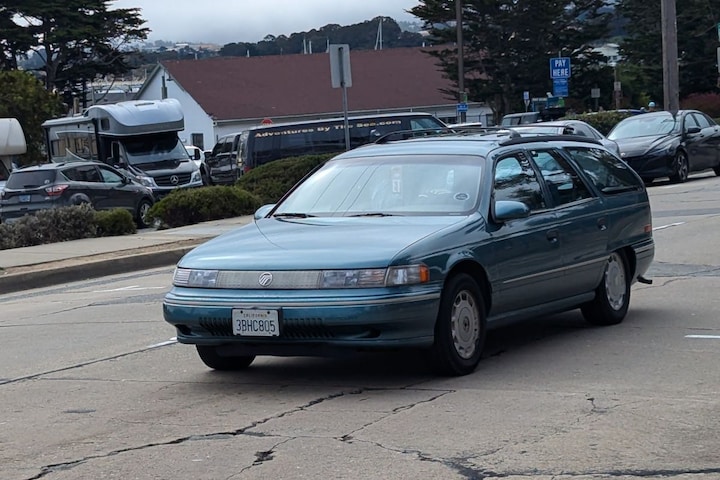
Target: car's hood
{"x": 637, "y": 146}
{"x": 347, "y": 242}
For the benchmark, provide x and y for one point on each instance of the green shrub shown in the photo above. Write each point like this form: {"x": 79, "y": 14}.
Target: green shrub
{"x": 49, "y": 226}
{"x": 189, "y": 206}
{"x": 272, "y": 180}
{"x": 602, "y": 121}
{"x": 114, "y": 222}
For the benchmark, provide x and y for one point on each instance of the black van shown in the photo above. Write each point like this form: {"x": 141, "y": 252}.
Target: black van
{"x": 265, "y": 143}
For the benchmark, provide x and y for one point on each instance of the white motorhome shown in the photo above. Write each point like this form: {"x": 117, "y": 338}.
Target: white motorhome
{"x": 12, "y": 144}
{"x": 140, "y": 137}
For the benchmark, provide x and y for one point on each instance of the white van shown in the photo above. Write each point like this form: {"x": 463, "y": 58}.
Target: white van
{"x": 12, "y": 143}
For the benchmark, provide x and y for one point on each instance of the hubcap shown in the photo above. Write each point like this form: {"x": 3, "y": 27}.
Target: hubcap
{"x": 615, "y": 282}
{"x": 465, "y": 324}
{"x": 682, "y": 166}
{"x": 144, "y": 208}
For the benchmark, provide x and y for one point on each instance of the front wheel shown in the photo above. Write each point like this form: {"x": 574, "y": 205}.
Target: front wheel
{"x": 141, "y": 214}
{"x": 460, "y": 327}
{"x": 612, "y": 296}
{"x": 681, "y": 168}
{"x": 209, "y": 355}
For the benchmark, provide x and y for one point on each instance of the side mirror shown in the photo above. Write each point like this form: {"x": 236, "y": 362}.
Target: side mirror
{"x": 510, "y": 210}
{"x": 263, "y": 211}
{"x": 692, "y": 130}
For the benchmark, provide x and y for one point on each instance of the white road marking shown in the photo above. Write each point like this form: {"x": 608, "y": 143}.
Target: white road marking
{"x": 172, "y": 341}
{"x": 713, "y": 337}
{"x": 124, "y": 289}
{"x": 662, "y": 227}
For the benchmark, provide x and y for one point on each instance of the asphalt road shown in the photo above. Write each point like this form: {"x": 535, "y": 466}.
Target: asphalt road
{"x": 93, "y": 386}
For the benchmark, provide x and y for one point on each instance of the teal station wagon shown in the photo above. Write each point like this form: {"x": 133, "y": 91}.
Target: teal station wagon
{"x": 421, "y": 243}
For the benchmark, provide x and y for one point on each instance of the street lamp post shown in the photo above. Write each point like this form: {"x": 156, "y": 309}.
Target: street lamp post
{"x": 461, "y": 65}
{"x": 671, "y": 83}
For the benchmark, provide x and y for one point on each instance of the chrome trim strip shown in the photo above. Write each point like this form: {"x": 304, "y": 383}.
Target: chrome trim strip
{"x": 556, "y": 270}
{"x": 280, "y": 303}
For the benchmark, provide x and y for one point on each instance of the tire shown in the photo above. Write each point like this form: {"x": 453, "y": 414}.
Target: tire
{"x": 717, "y": 170}
{"x": 210, "y": 357}
{"x": 205, "y": 178}
{"x": 612, "y": 296}
{"x": 681, "y": 168}
{"x": 141, "y": 213}
{"x": 460, "y": 327}
{"x": 648, "y": 181}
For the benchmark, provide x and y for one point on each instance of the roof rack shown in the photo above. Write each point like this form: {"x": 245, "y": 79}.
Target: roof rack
{"x": 446, "y": 131}
{"x": 541, "y": 137}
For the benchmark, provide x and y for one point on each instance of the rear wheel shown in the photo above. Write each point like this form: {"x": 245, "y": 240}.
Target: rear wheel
{"x": 208, "y": 354}
{"x": 612, "y": 297}
{"x": 681, "y": 168}
{"x": 460, "y": 327}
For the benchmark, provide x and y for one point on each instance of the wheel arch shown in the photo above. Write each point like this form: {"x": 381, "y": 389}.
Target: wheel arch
{"x": 478, "y": 273}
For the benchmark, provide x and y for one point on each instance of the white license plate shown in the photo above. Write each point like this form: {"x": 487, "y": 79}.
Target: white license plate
{"x": 255, "y": 322}
{"x": 24, "y": 198}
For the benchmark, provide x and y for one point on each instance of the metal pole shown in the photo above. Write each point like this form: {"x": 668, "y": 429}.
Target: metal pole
{"x": 344, "y": 99}
{"x": 461, "y": 65}
{"x": 671, "y": 82}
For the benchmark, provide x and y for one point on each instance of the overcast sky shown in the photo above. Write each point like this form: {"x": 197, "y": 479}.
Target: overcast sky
{"x": 226, "y": 21}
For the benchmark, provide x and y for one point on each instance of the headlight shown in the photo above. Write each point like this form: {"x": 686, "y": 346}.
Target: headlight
{"x": 145, "y": 180}
{"x": 196, "y": 176}
{"x": 376, "y": 277}
{"x": 184, "y": 277}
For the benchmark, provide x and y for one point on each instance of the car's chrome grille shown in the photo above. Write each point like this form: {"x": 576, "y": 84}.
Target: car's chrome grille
{"x": 278, "y": 279}
{"x": 167, "y": 180}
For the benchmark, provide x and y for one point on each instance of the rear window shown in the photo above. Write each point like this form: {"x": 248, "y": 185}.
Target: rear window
{"x": 20, "y": 179}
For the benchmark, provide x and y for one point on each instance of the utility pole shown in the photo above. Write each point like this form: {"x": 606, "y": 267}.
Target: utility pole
{"x": 461, "y": 65}
{"x": 671, "y": 82}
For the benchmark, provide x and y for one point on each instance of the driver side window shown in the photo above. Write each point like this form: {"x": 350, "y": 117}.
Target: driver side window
{"x": 515, "y": 180}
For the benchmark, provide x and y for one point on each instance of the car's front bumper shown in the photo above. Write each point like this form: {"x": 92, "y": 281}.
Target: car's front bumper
{"x": 310, "y": 321}
{"x": 651, "y": 166}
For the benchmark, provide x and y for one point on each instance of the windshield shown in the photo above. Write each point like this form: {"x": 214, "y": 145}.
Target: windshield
{"x": 645, "y": 125}
{"x": 154, "y": 148}
{"x": 396, "y": 185}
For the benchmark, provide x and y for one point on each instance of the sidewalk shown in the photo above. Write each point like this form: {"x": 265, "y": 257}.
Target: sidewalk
{"x": 55, "y": 263}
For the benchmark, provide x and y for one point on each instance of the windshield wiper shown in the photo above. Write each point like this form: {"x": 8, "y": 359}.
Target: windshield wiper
{"x": 293, "y": 215}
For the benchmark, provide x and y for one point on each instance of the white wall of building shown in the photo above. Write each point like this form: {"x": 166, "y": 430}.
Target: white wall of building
{"x": 197, "y": 121}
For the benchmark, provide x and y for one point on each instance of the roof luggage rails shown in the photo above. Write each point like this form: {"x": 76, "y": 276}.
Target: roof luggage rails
{"x": 407, "y": 134}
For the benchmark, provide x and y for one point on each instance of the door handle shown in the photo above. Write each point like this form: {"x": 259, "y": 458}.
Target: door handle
{"x": 552, "y": 236}
{"x": 602, "y": 224}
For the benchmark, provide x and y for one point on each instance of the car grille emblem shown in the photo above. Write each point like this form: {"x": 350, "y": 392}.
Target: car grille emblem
{"x": 174, "y": 180}
{"x": 265, "y": 279}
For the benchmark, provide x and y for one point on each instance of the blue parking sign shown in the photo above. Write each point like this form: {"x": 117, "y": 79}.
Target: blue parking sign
{"x": 560, "y": 67}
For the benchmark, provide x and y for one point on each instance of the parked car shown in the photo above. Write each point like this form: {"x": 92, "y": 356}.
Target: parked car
{"x": 197, "y": 155}
{"x": 54, "y": 185}
{"x": 520, "y": 118}
{"x": 568, "y": 127}
{"x": 658, "y": 144}
{"x": 222, "y": 163}
{"x": 423, "y": 243}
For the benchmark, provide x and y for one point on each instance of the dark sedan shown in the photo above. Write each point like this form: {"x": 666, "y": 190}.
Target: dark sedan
{"x": 658, "y": 144}
{"x": 53, "y": 185}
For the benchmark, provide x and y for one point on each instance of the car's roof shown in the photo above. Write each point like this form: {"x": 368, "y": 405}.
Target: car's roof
{"x": 56, "y": 166}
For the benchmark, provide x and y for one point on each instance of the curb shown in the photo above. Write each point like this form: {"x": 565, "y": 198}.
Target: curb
{"x": 45, "y": 275}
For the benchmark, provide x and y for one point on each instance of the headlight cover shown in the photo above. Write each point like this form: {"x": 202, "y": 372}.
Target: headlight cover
{"x": 326, "y": 279}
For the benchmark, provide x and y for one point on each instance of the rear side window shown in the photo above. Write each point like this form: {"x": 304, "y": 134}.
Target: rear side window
{"x": 30, "y": 179}
{"x": 608, "y": 173}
